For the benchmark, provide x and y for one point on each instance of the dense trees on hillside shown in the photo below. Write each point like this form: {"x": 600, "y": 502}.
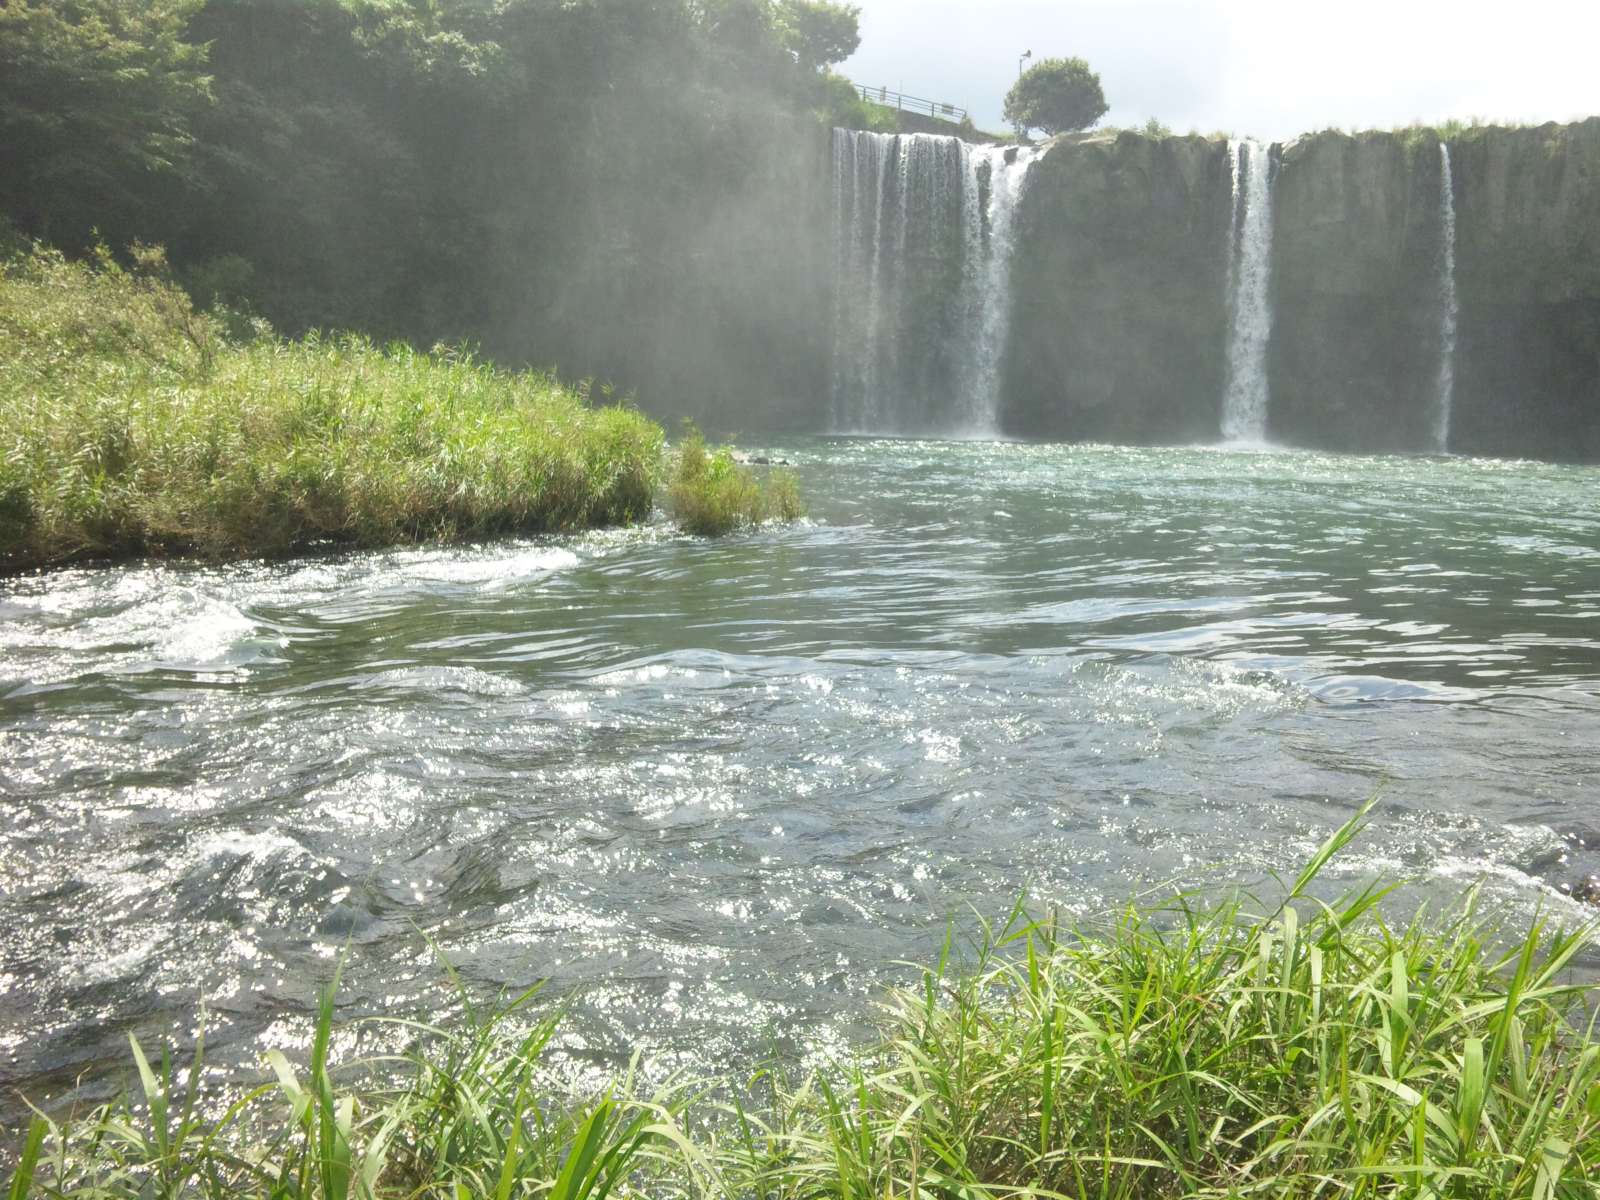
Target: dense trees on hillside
{"x": 567, "y": 182}
{"x": 95, "y": 97}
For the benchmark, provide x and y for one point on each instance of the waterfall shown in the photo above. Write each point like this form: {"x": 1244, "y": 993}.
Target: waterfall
{"x": 1007, "y": 169}
{"x": 1244, "y": 403}
{"x": 923, "y": 236}
{"x": 1449, "y": 308}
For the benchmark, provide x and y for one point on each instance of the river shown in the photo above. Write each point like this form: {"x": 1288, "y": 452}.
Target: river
{"x": 714, "y": 791}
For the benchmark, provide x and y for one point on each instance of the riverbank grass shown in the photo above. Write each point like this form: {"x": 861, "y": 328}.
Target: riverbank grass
{"x": 1217, "y": 1052}
{"x": 132, "y": 424}
{"x": 1180, "y": 1050}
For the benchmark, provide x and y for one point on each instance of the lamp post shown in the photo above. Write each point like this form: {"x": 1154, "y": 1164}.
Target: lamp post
{"x": 1026, "y": 55}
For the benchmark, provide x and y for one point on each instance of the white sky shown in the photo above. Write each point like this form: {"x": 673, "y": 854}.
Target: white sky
{"x": 1251, "y": 67}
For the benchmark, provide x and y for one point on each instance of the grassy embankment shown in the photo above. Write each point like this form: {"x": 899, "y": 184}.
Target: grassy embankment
{"x": 133, "y": 424}
{"x": 1308, "y": 1050}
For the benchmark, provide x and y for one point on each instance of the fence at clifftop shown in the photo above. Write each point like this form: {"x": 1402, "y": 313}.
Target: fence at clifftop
{"x": 914, "y": 104}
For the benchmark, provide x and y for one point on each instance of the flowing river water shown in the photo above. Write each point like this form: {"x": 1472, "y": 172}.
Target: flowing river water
{"x": 714, "y": 791}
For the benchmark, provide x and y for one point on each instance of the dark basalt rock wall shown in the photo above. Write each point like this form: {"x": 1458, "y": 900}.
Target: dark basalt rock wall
{"x": 1528, "y": 252}
{"x": 1119, "y": 323}
{"x": 1357, "y": 255}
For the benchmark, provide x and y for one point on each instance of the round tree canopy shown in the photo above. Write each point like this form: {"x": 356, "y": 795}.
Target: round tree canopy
{"x": 1056, "y": 95}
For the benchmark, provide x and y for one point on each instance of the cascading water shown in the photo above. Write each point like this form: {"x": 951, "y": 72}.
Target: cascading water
{"x": 1244, "y": 403}
{"x": 923, "y": 236}
{"x": 1449, "y": 308}
{"x": 1007, "y": 171}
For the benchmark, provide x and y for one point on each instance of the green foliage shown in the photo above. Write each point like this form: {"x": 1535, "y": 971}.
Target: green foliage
{"x": 95, "y": 97}
{"x": 711, "y": 493}
{"x": 221, "y": 281}
{"x": 541, "y": 178}
{"x": 1302, "y": 1049}
{"x": 818, "y": 32}
{"x": 1454, "y": 130}
{"x": 1156, "y": 129}
{"x": 844, "y": 108}
{"x": 130, "y": 424}
{"x": 464, "y": 1113}
{"x": 1457, "y": 129}
{"x": 1056, "y": 95}
{"x": 316, "y": 164}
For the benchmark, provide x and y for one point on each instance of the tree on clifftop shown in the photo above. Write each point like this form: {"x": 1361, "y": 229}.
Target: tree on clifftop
{"x": 818, "y": 32}
{"x": 1057, "y": 95}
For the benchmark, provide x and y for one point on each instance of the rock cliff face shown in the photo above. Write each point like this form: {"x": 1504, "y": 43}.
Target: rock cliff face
{"x": 1121, "y": 313}
{"x": 1119, "y": 325}
{"x": 1528, "y": 376}
{"x": 1357, "y": 250}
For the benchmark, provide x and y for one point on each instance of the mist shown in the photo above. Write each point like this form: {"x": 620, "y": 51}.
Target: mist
{"x": 643, "y": 196}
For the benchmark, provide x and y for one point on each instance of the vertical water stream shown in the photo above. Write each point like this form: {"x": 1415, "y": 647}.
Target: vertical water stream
{"x": 923, "y": 236}
{"x": 990, "y": 268}
{"x": 1244, "y": 402}
{"x": 1449, "y": 307}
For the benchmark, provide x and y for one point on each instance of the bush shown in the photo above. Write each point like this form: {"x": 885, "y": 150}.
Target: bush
{"x": 712, "y": 493}
{"x": 842, "y": 106}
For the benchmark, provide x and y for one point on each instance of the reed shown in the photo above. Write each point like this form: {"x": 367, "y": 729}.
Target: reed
{"x": 1220, "y": 1051}
{"x": 711, "y": 493}
{"x": 131, "y": 424}
{"x": 467, "y": 1112}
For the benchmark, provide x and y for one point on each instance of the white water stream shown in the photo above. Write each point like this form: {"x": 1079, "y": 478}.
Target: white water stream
{"x": 1245, "y": 400}
{"x": 1449, "y": 307}
{"x": 924, "y": 230}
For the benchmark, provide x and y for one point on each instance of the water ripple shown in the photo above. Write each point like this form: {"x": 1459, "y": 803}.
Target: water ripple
{"x": 713, "y": 791}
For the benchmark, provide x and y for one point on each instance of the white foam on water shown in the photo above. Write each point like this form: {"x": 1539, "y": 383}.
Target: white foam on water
{"x": 499, "y": 569}
{"x": 194, "y": 628}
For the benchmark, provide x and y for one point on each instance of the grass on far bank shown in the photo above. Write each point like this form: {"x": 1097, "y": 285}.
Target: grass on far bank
{"x": 1182, "y": 1050}
{"x": 133, "y": 424}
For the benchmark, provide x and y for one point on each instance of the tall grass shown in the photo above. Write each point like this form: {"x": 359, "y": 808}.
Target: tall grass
{"x": 1304, "y": 1049}
{"x": 466, "y": 1113}
{"x": 132, "y": 424}
{"x": 1218, "y": 1052}
{"x": 712, "y": 493}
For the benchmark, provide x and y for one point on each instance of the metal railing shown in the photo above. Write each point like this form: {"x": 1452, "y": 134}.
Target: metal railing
{"x": 913, "y": 104}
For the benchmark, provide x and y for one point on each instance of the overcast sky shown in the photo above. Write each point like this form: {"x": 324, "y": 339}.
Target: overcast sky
{"x": 1263, "y": 68}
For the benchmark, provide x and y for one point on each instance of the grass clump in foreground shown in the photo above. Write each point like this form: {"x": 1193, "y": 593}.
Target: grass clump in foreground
{"x": 133, "y": 424}
{"x": 712, "y": 493}
{"x": 1308, "y": 1051}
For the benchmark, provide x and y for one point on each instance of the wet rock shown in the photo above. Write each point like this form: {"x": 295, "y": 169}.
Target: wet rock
{"x": 1586, "y": 890}
{"x": 1355, "y": 333}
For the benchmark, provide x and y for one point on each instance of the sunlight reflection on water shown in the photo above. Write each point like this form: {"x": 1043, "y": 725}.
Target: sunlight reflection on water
{"x": 714, "y": 791}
